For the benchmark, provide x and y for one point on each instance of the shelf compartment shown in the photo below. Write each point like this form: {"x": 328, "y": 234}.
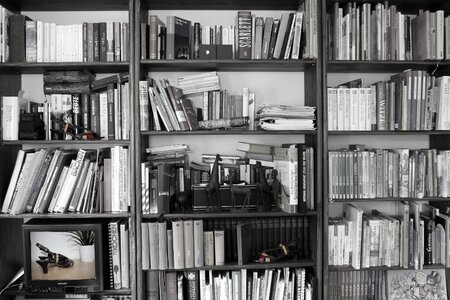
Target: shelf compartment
{"x": 257, "y": 266}
{"x": 383, "y": 66}
{"x": 107, "y": 215}
{"x": 231, "y": 132}
{"x": 393, "y": 199}
{"x": 39, "y": 68}
{"x": 381, "y": 268}
{"x": 68, "y": 142}
{"x": 229, "y": 65}
{"x": 206, "y": 215}
{"x": 396, "y": 132}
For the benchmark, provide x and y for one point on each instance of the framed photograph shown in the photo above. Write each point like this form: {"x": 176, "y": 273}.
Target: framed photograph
{"x": 417, "y": 284}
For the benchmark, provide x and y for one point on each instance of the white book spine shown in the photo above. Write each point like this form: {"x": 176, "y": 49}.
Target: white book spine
{"x": 10, "y": 118}
{"x": 115, "y": 251}
{"x": 198, "y": 244}
{"x": 219, "y": 247}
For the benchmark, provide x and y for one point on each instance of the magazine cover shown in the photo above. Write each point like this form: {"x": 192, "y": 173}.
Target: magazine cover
{"x": 417, "y": 284}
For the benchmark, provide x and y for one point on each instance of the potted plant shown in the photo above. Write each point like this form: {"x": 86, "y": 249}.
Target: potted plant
{"x": 85, "y": 240}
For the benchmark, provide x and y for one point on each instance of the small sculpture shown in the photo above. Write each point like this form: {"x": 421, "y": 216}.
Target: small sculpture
{"x": 240, "y": 190}
{"x": 60, "y": 260}
{"x": 213, "y": 187}
{"x": 275, "y": 188}
{"x": 182, "y": 202}
{"x": 262, "y": 203}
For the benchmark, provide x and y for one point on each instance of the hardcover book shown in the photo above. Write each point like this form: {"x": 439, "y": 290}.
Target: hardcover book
{"x": 244, "y": 38}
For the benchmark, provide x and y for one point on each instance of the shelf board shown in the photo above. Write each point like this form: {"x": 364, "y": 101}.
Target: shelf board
{"x": 383, "y": 66}
{"x": 206, "y": 215}
{"x": 64, "y": 143}
{"x": 66, "y": 5}
{"x": 396, "y": 132}
{"x": 221, "y": 4}
{"x": 229, "y": 65}
{"x": 16, "y": 292}
{"x": 234, "y": 266}
{"x": 393, "y": 199}
{"x": 381, "y": 268}
{"x": 231, "y": 132}
{"x": 402, "y": 5}
{"x": 67, "y": 216}
{"x": 39, "y": 68}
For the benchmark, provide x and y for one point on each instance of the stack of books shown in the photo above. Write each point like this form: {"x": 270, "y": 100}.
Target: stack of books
{"x": 284, "y": 117}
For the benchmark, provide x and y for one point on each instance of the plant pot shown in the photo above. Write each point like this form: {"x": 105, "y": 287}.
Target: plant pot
{"x": 87, "y": 253}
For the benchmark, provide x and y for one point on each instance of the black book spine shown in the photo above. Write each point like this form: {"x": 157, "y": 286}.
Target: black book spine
{"x": 144, "y": 40}
{"x": 273, "y": 38}
{"x": 162, "y": 42}
{"x": 244, "y": 25}
{"x": 111, "y": 123}
{"x": 306, "y": 248}
{"x": 85, "y": 42}
{"x": 85, "y": 106}
{"x": 17, "y": 38}
{"x": 301, "y": 236}
{"x": 197, "y": 40}
{"x": 95, "y": 111}
{"x": 76, "y": 109}
{"x": 254, "y": 251}
{"x": 103, "y": 41}
{"x": 96, "y": 40}
{"x": 271, "y": 233}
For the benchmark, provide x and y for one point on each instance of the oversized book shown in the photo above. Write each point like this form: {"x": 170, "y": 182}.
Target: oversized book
{"x": 244, "y": 27}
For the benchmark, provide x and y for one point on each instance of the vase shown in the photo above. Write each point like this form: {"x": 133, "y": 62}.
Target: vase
{"x": 87, "y": 253}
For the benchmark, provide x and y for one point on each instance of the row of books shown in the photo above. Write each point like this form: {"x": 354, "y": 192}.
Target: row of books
{"x": 379, "y": 32}
{"x": 55, "y": 180}
{"x": 412, "y": 239}
{"x": 380, "y": 173}
{"x": 104, "y": 113}
{"x": 411, "y": 100}
{"x": 357, "y": 285}
{"x": 119, "y": 255}
{"x": 277, "y": 284}
{"x": 38, "y": 41}
{"x": 184, "y": 244}
{"x": 163, "y": 105}
{"x": 292, "y": 36}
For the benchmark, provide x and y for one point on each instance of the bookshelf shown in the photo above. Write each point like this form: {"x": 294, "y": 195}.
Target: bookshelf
{"x": 295, "y": 79}
{"x": 337, "y": 72}
{"x": 29, "y": 77}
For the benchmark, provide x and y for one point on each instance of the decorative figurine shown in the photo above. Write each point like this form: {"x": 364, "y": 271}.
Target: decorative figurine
{"x": 262, "y": 202}
{"x": 275, "y": 188}
{"x": 60, "y": 260}
{"x": 240, "y": 190}
{"x": 213, "y": 188}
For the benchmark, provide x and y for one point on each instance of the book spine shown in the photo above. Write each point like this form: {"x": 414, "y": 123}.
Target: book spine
{"x": 115, "y": 253}
{"x": 31, "y": 41}
{"x": 244, "y": 27}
